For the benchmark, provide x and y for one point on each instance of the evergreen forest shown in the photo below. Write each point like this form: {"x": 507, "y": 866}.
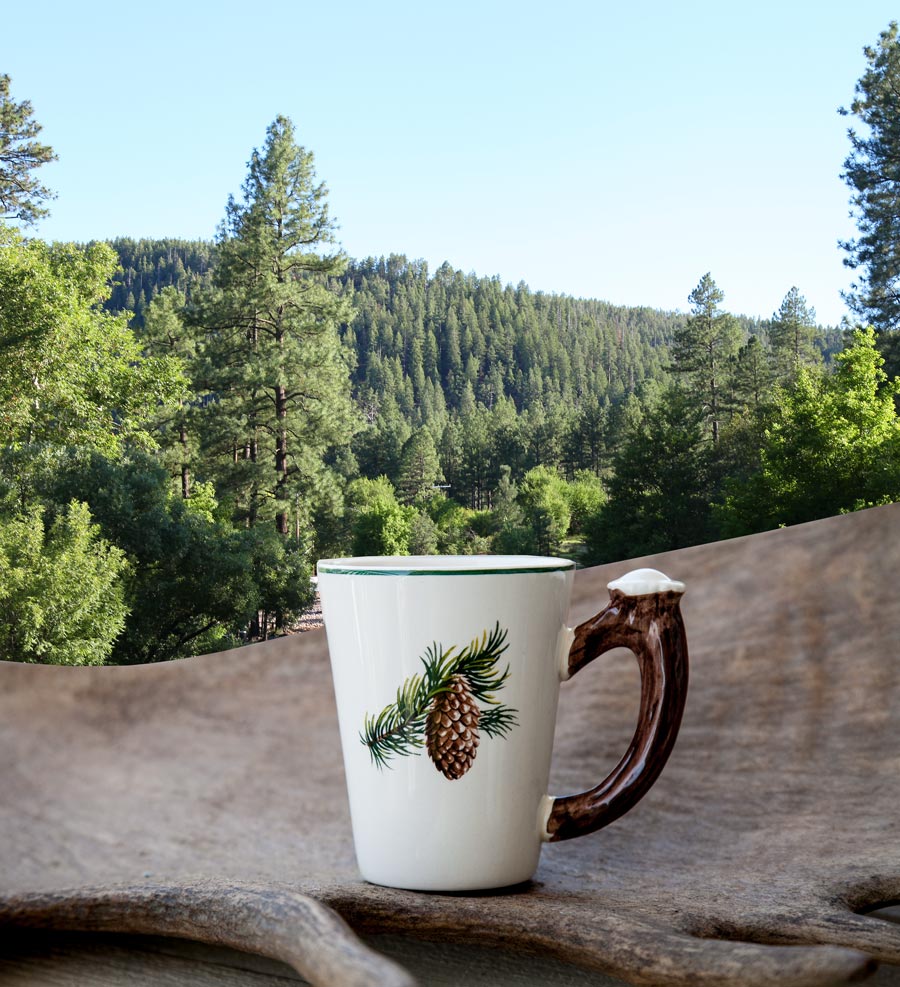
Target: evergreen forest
{"x": 187, "y": 426}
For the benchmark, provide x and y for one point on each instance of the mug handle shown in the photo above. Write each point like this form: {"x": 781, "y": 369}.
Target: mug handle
{"x": 643, "y": 615}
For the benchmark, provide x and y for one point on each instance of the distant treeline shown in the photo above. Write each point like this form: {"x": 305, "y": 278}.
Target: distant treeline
{"x": 433, "y": 340}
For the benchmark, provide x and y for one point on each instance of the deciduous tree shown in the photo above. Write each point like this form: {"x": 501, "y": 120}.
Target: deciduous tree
{"x": 543, "y": 499}
{"x": 380, "y": 525}
{"x": 194, "y": 582}
{"x": 71, "y": 373}
{"x": 832, "y": 445}
{"x": 61, "y": 595}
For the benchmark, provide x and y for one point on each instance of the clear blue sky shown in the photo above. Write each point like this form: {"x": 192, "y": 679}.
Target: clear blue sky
{"x": 610, "y": 150}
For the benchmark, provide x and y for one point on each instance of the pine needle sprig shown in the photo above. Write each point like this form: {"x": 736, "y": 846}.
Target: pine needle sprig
{"x": 399, "y": 729}
{"x": 477, "y": 662}
{"x": 498, "y": 721}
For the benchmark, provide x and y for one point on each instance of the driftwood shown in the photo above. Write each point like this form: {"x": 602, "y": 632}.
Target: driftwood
{"x": 205, "y": 799}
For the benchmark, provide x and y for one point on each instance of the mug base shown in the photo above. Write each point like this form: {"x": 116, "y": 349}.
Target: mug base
{"x": 461, "y": 886}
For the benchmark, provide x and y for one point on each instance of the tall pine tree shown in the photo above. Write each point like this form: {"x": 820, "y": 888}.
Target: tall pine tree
{"x": 792, "y": 334}
{"x": 276, "y": 373}
{"x": 22, "y": 196}
{"x": 872, "y": 170}
{"x": 703, "y": 350}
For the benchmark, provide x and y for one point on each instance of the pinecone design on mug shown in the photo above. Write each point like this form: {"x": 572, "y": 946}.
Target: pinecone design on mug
{"x": 451, "y": 730}
{"x": 439, "y": 708}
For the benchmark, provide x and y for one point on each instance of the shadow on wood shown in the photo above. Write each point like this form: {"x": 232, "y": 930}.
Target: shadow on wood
{"x": 210, "y": 791}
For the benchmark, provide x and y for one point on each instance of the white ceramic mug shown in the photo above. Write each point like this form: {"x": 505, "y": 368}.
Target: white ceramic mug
{"x": 446, "y": 673}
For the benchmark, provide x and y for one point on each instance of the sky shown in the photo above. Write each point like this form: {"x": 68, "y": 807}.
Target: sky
{"x": 605, "y": 150}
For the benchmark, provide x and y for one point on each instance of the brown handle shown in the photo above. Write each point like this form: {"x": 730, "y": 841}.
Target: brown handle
{"x": 650, "y": 625}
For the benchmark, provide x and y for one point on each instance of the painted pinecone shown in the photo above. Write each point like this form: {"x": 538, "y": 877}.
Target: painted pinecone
{"x": 451, "y": 729}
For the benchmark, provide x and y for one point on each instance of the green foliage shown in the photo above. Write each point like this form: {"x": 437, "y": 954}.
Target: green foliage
{"x": 21, "y": 193}
{"x": 832, "y": 444}
{"x": 164, "y": 334}
{"x": 660, "y": 490}
{"x": 455, "y": 527}
{"x": 61, "y": 597}
{"x": 399, "y": 729}
{"x": 379, "y": 524}
{"x": 751, "y": 379}
{"x": 544, "y": 501}
{"x": 71, "y": 373}
{"x": 364, "y": 492}
{"x": 585, "y": 497}
{"x": 423, "y": 535}
{"x": 378, "y": 446}
{"x": 527, "y": 406}
{"x": 495, "y": 376}
{"x": 513, "y": 536}
{"x": 193, "y": 582}
{"x": 282, "y": 587}
{"x": 450, "y": 342}
{"x": 872, "y": 170}
{"x": 202, "y": 502}
{"x": 383, "y": 529}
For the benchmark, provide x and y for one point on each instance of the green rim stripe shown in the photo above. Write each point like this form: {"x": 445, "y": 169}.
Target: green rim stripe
{"x": 334, "y": 571}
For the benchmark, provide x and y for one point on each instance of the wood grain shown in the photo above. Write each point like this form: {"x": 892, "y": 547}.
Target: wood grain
{"x": 263, "y": 919}
{"x": 60, "y": 959}
{"x": 773, "y": 828}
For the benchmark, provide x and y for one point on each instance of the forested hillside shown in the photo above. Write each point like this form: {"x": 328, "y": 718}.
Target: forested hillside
{"x": 422, "y": 336}
{"x": 485, "y": 375}
{"x": 148, "y": 266}
{"x": 187, "y": 425}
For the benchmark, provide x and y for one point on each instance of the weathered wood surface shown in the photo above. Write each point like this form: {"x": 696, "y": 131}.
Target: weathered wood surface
{"x": 773, "y": 826}
{"x": 66, "y": 959}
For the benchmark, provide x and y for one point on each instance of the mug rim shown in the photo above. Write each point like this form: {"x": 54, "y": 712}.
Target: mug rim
{"x": 442, "y": 565}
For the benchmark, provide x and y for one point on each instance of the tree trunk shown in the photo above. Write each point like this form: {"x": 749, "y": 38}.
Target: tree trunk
{"x": 281, "y": 455}
{"x": 185, "y": 468}
{"x": 254, "y": 629}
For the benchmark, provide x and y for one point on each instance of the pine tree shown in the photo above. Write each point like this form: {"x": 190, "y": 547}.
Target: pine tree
{"x": 661, "y": 486}
{"x": 752, "y": 378}
{"x": 275, "y": 363}
{"x": 792, "y": 334}
{"x": 513, "y": 535}
{"x": 703, "y": 350}
{"x": 21, "y": 194}
{"x": 419, "y": 466}
{"x": 165, "y": 334}
{"x": 872, "y": 170}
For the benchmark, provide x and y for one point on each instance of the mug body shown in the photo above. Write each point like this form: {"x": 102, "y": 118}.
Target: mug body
{"x": 446, "y": 673}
